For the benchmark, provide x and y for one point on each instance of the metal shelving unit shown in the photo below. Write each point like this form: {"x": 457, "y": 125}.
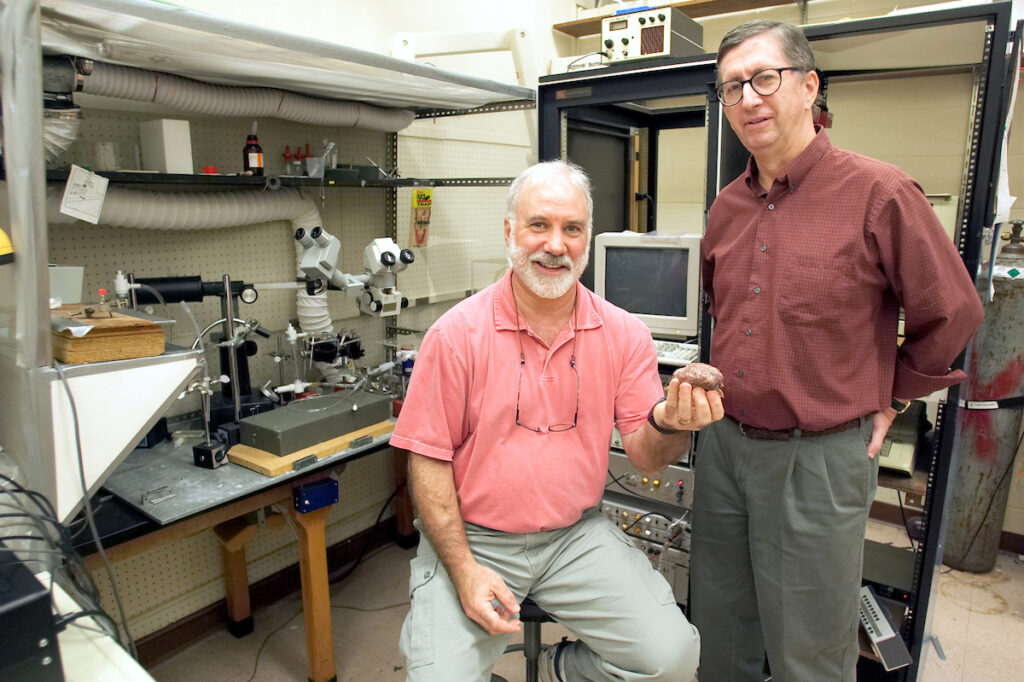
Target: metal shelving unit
{"x": 617, "y": 97}
{"x": 196, "y": 46}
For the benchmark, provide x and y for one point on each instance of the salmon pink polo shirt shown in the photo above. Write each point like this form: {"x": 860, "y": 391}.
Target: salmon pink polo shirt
{"x": 461, "y": 406}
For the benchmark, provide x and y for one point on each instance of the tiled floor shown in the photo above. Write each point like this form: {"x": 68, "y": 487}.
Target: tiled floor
{"x": 979, "y": 620}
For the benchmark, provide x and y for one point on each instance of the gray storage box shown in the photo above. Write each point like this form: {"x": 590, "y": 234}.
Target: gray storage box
{"x": 302, "y": 423}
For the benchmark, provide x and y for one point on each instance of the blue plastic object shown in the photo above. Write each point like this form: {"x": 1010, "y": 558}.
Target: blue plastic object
{"x": 313, "y": 496}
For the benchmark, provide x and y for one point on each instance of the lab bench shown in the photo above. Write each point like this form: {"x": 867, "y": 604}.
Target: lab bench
{"x": 157, "y": 496}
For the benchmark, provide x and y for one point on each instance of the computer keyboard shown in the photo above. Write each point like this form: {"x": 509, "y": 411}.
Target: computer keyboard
{"x": 676, "y": 353}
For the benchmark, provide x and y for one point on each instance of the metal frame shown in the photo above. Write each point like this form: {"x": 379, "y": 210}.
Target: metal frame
{"x": 562, "y": 97}
{"x": 25, "y": 425}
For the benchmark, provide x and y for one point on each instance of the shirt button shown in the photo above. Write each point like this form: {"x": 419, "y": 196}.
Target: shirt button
{"x": 749, "y": 332}
{"x": 764, "y": 247}
{"x": 771, "y": 207}
{"x": 739, "y": 372}
{"x": 757, "y": 290}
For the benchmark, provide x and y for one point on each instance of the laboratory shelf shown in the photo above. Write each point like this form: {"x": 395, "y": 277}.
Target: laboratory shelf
{"x": 273, "y": 181}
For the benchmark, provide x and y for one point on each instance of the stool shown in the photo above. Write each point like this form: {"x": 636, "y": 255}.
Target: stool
{"x": 531, "y": 617}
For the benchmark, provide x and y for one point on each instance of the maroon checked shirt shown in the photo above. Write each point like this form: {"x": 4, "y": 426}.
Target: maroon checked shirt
{"x": 806, "y": 282}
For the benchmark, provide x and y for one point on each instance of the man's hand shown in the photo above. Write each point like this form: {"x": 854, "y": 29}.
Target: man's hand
{"x": 487, "y": 600}
{"x": 687, "y": 408}
{"x": 880, "y": 423}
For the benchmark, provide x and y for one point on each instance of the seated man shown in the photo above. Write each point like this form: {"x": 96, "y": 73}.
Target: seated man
{"x": 508, "y": 420}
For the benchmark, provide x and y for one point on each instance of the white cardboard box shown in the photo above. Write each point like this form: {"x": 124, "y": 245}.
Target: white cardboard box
{"x": 166, "y": 146}
{"x": 66, "y": 283}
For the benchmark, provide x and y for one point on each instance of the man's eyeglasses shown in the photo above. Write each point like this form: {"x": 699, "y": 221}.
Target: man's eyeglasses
{"x": 764, "y": 83}
{"x": 554, "y": 428}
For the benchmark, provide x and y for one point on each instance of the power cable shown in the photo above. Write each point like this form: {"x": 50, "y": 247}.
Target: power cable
{"x": 87, "y": 506}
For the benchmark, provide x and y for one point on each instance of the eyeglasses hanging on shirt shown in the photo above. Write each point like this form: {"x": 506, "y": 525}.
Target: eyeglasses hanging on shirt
{"x": 553, "y": 428}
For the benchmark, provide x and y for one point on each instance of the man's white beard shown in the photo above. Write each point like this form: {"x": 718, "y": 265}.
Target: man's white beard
{"x": 546, "y": 286}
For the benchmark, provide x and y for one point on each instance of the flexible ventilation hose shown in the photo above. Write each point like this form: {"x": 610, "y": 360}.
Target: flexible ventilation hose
{"x": 125, "y": 82}
{"x": 204, "y": 211}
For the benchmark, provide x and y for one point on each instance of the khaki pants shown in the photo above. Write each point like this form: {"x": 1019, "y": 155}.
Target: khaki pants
{"x": 588, "y": 576}
{"x": 777, "y": 547}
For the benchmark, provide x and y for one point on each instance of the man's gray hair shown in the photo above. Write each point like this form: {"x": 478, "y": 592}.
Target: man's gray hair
{"x": 544, "y": 172}
{"x": 791, "y": 39}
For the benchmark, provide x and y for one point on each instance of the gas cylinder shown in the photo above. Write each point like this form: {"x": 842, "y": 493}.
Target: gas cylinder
{"x": 988, "y": 437}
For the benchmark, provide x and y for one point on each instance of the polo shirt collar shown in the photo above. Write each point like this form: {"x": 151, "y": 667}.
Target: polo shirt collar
{"x": 800, "y": 167}
{"x": 587, "y": 315}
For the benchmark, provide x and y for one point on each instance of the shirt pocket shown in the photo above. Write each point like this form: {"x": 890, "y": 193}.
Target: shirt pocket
{"x": 816, "y": 294}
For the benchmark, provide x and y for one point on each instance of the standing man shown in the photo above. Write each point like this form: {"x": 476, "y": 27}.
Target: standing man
{"x": 807, "y": 259}
{"x": 508, "y": 421}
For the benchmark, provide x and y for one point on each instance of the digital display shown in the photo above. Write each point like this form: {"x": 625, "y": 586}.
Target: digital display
{"x": 617, "y": 25}
{"x": 646, "y": 281}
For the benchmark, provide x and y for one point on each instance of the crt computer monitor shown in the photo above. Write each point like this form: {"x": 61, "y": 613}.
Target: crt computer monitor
{"x": 653, "y": 276}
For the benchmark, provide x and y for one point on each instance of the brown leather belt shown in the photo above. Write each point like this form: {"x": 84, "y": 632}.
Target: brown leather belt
{"x": 757, "y": 433}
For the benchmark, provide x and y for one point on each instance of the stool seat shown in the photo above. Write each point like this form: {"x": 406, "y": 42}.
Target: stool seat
{"x": 531, "y": 616}
{"x": 529, "y": 612}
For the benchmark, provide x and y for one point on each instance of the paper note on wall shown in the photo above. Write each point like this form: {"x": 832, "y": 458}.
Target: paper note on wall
{"x": 83, "y": 195}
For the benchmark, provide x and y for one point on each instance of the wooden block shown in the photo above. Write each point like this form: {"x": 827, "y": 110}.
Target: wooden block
{"x": 269, "y": 464}
{"x": 114, "y": 337}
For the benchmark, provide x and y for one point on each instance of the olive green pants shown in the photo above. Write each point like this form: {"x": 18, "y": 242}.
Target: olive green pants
{"x": 588, "y": 576}
{"x": 777, "y": 547}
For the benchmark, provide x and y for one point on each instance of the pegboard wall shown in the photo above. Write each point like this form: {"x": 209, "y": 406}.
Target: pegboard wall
{"x": 465, "y": 252}
{"x": 261, "y": 253}
{"x": 171, "y": 582}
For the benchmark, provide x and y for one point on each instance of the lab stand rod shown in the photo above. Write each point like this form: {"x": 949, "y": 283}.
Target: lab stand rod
{"x": 229, "y": 329}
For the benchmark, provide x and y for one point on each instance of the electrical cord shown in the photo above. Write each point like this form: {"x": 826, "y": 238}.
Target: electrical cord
{"x": 263, "y": 644}
{"x": 79, "y": 524}
{"x": 366, "y": 543}
{"x": 360, "y": 609}
{"x": 27, "y": 550}
{"x": 73, "y": 568}
{"x": 87, "y": 506}
{"x": 69, "y": 618}
{"x": 40, "y": 500}
{"x": 617, "y": 480}
{"x": 988, "y": 508}
{"x": 903, "y": 515}
{"x": 589, "y": 54}
{"x": 35, "y": 519}
{"x": 331, "y": 580}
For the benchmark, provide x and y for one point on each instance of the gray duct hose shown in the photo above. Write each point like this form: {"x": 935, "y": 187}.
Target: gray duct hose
{"x": 148, "y": 210}
{"x": 193, "y": 96}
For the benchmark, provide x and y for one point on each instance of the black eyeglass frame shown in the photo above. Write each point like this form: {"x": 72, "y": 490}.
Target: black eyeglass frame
{"x": 779, "y": 70}
{"x": 553, "y": 428}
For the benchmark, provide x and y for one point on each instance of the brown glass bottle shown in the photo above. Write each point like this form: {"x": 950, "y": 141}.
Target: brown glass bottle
{"x": 252, "y": 155}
